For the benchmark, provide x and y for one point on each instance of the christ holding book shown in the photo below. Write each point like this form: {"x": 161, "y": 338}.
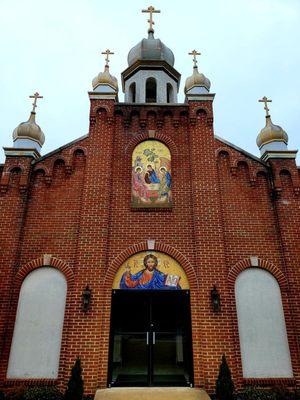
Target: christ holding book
{"x": 149, "y": 277}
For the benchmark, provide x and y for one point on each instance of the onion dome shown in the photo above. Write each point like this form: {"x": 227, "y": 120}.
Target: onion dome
{"x": 197, "y": 79}
{"x": 271, "y": 133}
{"x": 105, "y": 78}
{"x": 151, "y": 49}
{"x": 29, "y": 130}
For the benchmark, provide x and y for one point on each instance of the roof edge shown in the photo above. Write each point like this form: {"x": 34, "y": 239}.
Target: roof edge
{"x": 59, "y": 149}
{"x": 241, "y": 151}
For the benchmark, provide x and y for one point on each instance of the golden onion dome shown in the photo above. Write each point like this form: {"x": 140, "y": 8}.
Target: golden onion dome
{"x": 29, "y": 130}
{"x": 271, "y": 133}
{"x": 105, "y": 78}
{"x": 197, "y": 79}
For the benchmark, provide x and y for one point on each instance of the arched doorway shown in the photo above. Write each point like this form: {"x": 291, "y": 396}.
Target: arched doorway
{"x": 150, "y": 341}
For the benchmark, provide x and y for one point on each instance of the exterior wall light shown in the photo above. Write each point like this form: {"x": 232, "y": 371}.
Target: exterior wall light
{"x": 86, "y": 299}
{"x": 215, "y": 299}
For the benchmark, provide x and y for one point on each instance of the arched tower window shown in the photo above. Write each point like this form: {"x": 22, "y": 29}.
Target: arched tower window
{"x": 36, "y": 343}
{"x": 170, "y": 95}
{"x": 151, "y": 175}
{"x": 151, "y": 90}
{"x": 262, "y": 331}
{"x": 132, "y": 93}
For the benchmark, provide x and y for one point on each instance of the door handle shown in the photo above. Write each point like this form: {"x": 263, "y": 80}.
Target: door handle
{"x": 147, "y": 338}
{"x": 153, "y": 337}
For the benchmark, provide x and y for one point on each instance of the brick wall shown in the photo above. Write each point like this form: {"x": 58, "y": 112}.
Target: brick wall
{"x": 75, "y": 206}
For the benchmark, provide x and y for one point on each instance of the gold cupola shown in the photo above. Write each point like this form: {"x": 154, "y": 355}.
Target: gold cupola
{"x": 197, "y": 83}
{"x": 104, "y": 82}
{"x": 271, "y": 137}
{"x": 29, "y": 134}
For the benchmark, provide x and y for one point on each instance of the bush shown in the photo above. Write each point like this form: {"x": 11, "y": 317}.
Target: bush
{"x": 75, "y": 385}
{"x": 254, "y": 393}
{"x": 282, "y": 393}
{"x": 276, "y": 393}
{"x": 16, "y": 393}
{"x": 224, "y": 384}
{"x": 43, "y": 393}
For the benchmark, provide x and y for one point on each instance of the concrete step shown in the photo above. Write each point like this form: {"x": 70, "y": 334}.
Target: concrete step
{"x": 147, "y": 393}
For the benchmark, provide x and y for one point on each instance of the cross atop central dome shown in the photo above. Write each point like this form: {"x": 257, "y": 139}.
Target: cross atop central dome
{"x": 150, "y": 76}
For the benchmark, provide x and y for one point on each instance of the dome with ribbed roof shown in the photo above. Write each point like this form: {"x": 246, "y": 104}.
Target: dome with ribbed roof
{"x": 29, "y": 130}
{"x": 151, "y": 49}
{"x": 105, "y": 78}
{"x": 196, "y": 79}
{"x": 271, "y": 133}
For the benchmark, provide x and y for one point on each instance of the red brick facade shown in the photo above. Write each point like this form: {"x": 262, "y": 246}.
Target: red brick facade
{"x": 71, "y": 209}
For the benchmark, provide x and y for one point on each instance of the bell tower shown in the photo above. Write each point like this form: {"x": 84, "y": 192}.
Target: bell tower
{"x": 150, "y": 76}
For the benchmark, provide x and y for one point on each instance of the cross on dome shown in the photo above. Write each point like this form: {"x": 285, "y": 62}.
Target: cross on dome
{"x": 194, "y": 53}
{"x": 266, "y": 101}
{"x": 35, "y": 96}
{"x": 151, "y": 10}
{"x": 108, "y": 53}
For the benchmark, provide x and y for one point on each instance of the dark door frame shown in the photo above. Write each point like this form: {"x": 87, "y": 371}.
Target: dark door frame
{"x": 150, "y": 335}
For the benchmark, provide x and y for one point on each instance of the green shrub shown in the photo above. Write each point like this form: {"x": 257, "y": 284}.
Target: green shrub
{"x": 254, "y": 393}
{"x": 42, "y": 393}
{"x": 276, "y": 393}
{"x": 74, "y": 389}
{"x": 224, "y": 384}
{"x": 282, "y": 393}
{"x": 16, "y": 393}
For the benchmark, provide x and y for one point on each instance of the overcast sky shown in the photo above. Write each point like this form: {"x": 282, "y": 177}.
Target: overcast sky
{"x": 250, "y": 48}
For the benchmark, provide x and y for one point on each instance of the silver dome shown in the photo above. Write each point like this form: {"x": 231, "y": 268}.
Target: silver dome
{"x": 151, "y": 49}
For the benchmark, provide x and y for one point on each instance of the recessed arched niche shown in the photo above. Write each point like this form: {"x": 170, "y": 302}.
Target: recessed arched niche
{"x": 151, "y": 270}
{"x": 35, "y": 348}
{"x": 262, "y": 330}
{"x": 151, "y": 175}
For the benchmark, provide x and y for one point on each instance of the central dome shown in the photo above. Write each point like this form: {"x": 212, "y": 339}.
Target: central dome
{"x": 151, "y": 49}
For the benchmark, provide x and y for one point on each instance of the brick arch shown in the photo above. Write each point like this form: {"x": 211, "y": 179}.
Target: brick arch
{"x": 44, "y": 261}
{"x": 264, "y": 264}
{"x": 145, "y": 136}
{"x": 198, "y": 110}
{"x": 160, "y": 247}
{"x": 98, "y": 108}
{"x": 223, "y": 150}
{"x": 261, "y": 172}
{"x": 15, "y": 167}
{"x": 76, "y": 148}
{"x": 56, "y": 160}
{"x": 42, "y": 167}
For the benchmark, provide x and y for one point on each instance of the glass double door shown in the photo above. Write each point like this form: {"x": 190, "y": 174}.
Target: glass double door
{"x": 150, "y": 339}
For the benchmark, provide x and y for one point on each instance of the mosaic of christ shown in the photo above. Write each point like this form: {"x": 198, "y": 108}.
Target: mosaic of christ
{"x": 151, "y": 175}
{"x": 151, "y": 271}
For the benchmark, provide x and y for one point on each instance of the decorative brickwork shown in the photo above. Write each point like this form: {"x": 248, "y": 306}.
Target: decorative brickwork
{"x": 231, "y": 211}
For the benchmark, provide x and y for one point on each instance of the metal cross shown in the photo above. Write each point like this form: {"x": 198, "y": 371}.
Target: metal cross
{"x": 194, "y": 53}
{"x": 35, "y": 97}
{"x": 108, "y": 53}
{"x": 266, "y": 101}
{"x": 151, "y": 10}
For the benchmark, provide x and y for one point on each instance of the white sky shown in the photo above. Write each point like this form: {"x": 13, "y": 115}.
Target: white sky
{"x": 250, "y": 48}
